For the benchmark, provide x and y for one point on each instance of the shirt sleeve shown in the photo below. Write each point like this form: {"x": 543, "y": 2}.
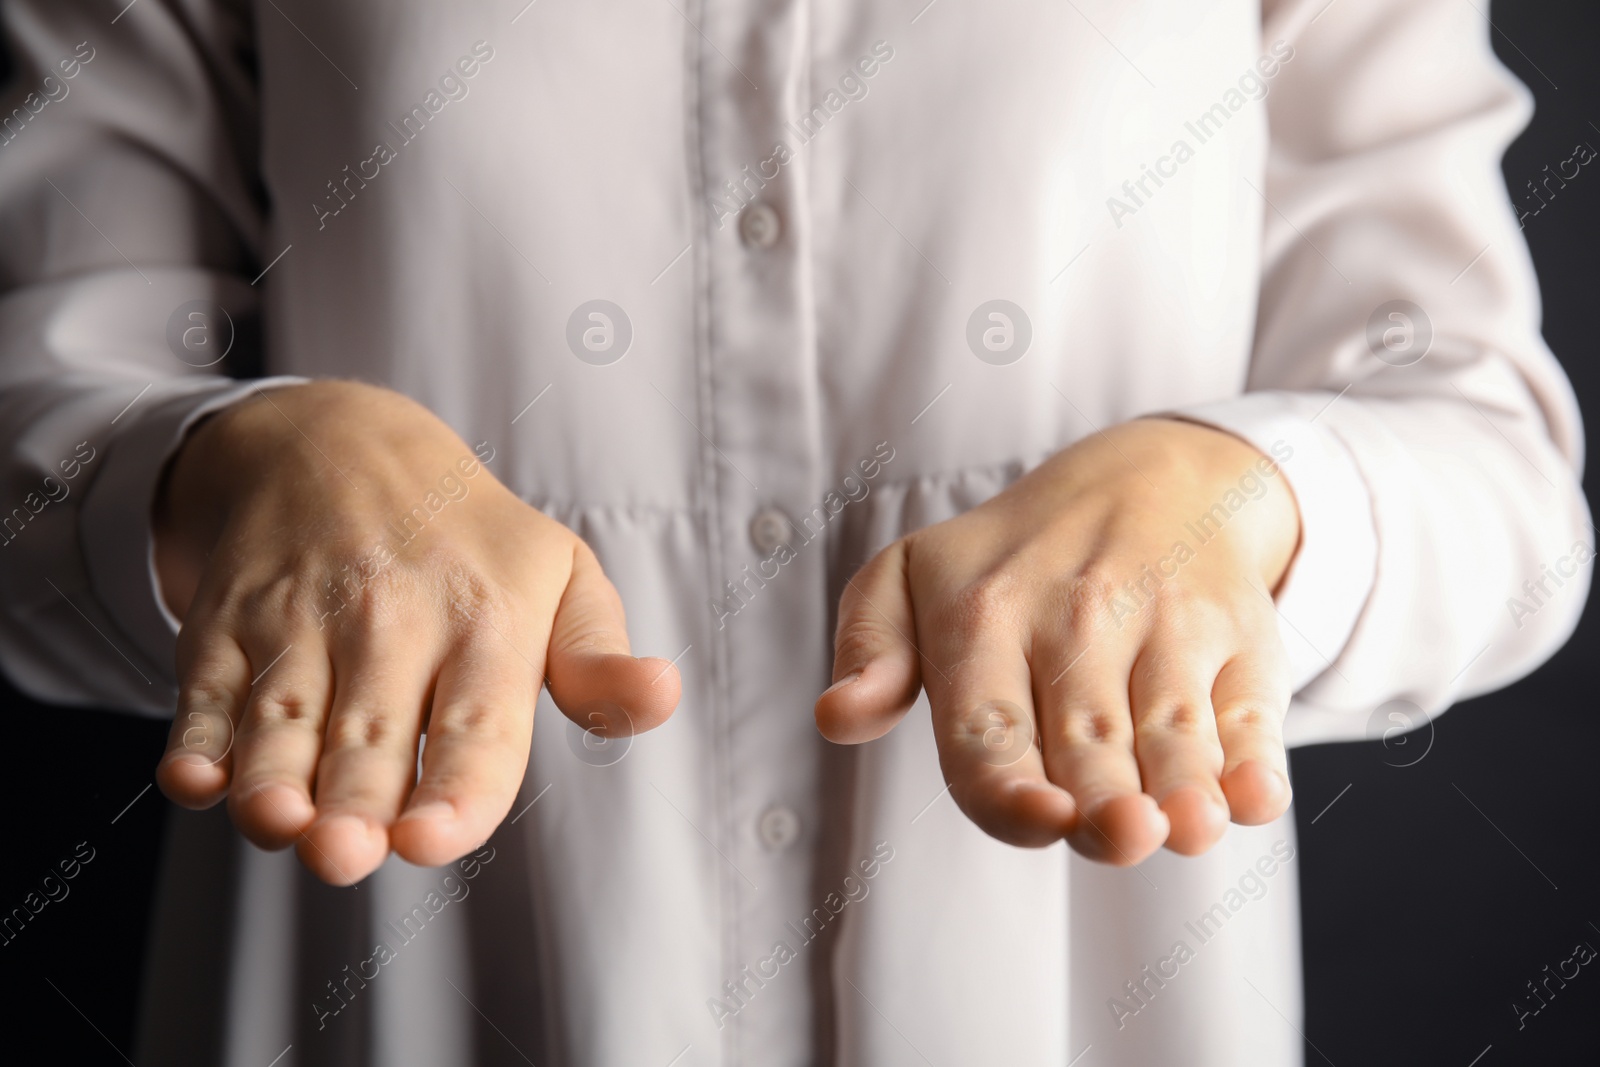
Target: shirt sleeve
{"x": 1436, "y": 447}
{"x": 130, "y": 204}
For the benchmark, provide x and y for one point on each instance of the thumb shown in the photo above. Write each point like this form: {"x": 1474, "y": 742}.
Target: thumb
{"x": 593, "y": 678}
{"x": 876, "y": 668}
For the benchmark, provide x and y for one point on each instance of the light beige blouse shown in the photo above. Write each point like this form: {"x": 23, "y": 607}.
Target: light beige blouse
{"x": 686, "y": 271}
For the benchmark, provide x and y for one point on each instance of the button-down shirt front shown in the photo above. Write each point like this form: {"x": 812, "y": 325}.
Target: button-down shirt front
{"x": 742, "y": 292}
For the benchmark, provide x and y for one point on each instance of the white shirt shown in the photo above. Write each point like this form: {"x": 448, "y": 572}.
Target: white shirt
{"x": 1334, "y": 158}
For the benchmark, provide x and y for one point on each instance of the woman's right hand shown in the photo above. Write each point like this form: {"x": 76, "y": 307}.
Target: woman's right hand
{"x": 349, "y": 576}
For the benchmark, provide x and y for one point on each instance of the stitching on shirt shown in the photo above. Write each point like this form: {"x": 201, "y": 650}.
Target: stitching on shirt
{"x": 709, "y": 510}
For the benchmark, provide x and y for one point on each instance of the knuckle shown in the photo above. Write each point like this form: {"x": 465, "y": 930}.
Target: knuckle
{"x": 1175, "y": 716}
{"x": 858, "y": 641}
{"x": 472, "y": 600}
{"x": 1178, "y": 604}
{"x": 1247, "y": 716}
{"x": 1087, "y": 599}
{"x": 588, "y": 636}
{"x": 208, "y": 694}
{"x": 379, "y": 600}
{"x": 982, "y": 602}
{"x": 363, "y": 594}
{"x": 1092, "y": 586}
{"x": 363, "y": 728}
{"x": 472, "y": 717}
{"x": 286, "y": 708}
{"x": 968, "y": 731}
{"x": 432, "y": 583}
{"x": 269, "y": 600}
{"x": 1087, "y": 724}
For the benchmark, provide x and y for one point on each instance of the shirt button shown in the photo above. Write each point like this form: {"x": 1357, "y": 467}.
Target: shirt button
{"x": 759, "y": 226}
{"x": 770, "y": 528}
{"x": 778, "y": 827}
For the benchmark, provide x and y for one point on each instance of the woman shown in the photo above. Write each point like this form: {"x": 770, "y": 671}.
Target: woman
{"x": 1175, "y": 373}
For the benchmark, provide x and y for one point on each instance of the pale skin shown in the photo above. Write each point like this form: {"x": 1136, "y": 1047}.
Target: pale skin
{"x": 1122, "y": 730}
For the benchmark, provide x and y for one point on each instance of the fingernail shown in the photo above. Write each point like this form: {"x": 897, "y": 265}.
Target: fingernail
{"x": 189, "y": 759}
{"x": 842, "y": 682}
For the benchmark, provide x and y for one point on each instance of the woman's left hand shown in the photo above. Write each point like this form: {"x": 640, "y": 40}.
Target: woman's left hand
{"x": 1099, "y": 644}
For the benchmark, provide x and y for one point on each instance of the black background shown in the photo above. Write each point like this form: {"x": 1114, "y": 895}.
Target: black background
{"x": 1432, "y": 893}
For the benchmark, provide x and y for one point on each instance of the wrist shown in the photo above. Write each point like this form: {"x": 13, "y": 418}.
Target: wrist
{"x": 190, "y": 506}
{"x": 227, "y": 457}
{"x": 1239, "y": 478}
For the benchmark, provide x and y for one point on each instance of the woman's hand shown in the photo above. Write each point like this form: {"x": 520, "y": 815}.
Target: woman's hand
{"x": 348, "y": 576}
{"x": 1098, "y": 642}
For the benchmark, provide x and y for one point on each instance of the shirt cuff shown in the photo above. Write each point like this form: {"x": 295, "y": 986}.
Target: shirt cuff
{"x": 1332, "y": 574}
{"x": 115, "y": 523}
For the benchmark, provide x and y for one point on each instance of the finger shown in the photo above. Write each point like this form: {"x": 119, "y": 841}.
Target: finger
{"x": 594, "y": 679}
{"x": 876, "y": 667}
{"x": 477, "y": 750}
{"x": 984, "y": 726}
{"x": 1081, "y": 687}
{"x": 369, "y": 754}
{"x": 1175, "y": 735}
{"x": 215, "y": 682}
{"x": 278, "y": 741}
{"x": 1251, "y": 698}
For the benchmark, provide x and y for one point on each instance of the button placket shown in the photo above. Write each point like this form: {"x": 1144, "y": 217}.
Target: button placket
{"x": 761, "y": 429}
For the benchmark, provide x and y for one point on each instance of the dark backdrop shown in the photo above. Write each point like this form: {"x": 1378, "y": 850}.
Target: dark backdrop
{"x": 1432, "y": 893}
